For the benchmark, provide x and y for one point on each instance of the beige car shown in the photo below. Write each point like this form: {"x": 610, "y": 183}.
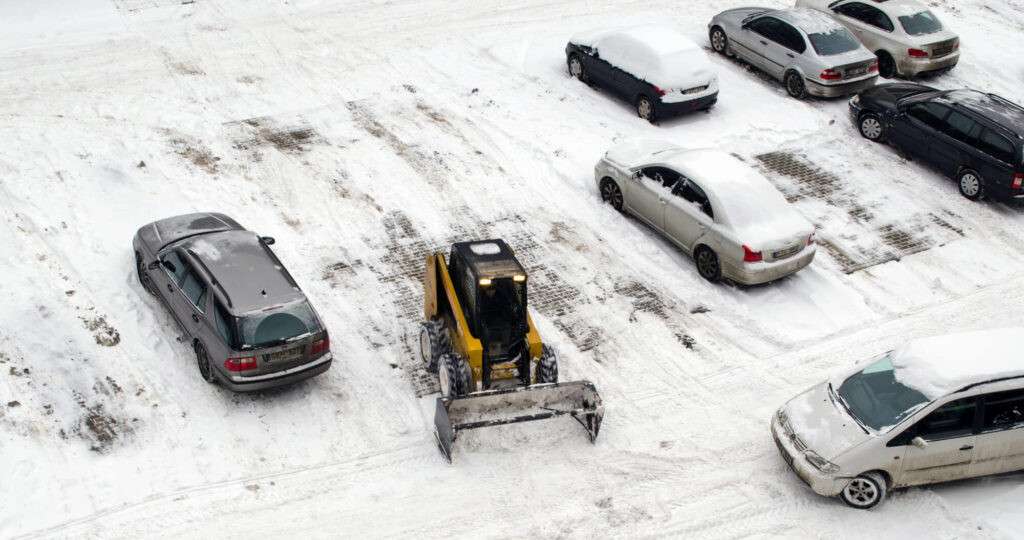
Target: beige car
{"x": 905, "y": 35}
{"x": 934, "y": 410}
{"x": 731, "y": 219}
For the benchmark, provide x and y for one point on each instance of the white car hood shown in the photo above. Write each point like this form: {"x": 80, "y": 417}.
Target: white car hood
{"x": 823, "y": 425}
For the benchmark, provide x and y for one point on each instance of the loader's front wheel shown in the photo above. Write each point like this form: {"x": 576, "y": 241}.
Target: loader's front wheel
{"x": 453, "y": 376}
{"x": 434, "y": 342}
{"x": 547, "y": 368}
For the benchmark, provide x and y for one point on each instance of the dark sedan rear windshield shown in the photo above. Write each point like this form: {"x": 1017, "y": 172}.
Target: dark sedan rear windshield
{"x": 278, "y": 325}
{"x": 837, "y": 41}
{"x": 921, "y": 23}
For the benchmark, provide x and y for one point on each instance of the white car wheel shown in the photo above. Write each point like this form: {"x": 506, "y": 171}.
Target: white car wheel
{"x": 864, "y": 491}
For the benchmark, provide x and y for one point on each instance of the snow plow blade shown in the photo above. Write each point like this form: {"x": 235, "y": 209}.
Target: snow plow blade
{"x": 578, "y": 399}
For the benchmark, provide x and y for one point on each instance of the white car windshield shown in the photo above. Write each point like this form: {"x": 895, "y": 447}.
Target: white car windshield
{"x": 876, "y": 399}
{"x": 921, "y": 23}
{"x": 837, "y": 41}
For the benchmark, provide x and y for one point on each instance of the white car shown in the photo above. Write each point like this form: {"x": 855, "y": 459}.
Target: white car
{"x": 935, "y": 409}
{"x": 907, "y": 37}
{"x": 731, "y": 219}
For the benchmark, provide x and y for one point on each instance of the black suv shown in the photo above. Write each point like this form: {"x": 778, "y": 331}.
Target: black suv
{"x": 973, "y": 137}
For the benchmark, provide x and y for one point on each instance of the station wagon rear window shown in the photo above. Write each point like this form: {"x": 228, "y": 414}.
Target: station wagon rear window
{"x": 921, "y": 23}
{"x": 267, "y": 328}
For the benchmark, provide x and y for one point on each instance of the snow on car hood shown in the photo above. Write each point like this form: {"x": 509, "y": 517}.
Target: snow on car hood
{"x": 821, "y": 424}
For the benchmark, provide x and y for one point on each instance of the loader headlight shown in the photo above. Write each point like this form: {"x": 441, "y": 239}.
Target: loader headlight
{"x": 519, "y": 278}
{"x": 821, "y": 463}
{"x": 485, "y": 282}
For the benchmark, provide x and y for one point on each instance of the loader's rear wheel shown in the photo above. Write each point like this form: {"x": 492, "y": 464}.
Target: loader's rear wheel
{"x": 434, "y": 342}
{"x": 453, "y": 376}
{"x": 547, "y": 368}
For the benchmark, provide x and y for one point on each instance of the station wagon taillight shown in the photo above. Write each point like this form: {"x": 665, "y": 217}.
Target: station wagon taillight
{"x": 320, "y": 346}
{"x": 830, "y": 75}
{"x": 1018, "y": 180}
{"x": 917, "y": 53}
{"x": 244, "y": 363}
{"x": 750, "y": 255}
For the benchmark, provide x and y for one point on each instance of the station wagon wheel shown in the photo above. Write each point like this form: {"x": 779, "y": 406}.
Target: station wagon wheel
{"x": 576, "y": 68}
{"x": 971, "y": 185}
{"x": 795, "y": 85}
{"x": 871, "y": 127}
{"x": 203, "y": 360}
{"x": 707, "y": 264}
{"x": 719, "y": 41}
{"x": 610, "y": 193}
{"x": 864, "y": 491}
{"x": 144, "y": 279}
{"x": 645, "y": 108}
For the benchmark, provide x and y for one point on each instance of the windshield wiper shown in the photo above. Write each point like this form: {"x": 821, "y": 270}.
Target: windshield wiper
{"x": 836, "y": 398}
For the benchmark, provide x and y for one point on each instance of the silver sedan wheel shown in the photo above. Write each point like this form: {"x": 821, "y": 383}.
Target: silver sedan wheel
{"x": 861, "y": 492}
{"x": 611, "y": 193}
{"x": 871, "y": 128}
{"x": 970, "y": 185}
{"x": 718, "y": 41}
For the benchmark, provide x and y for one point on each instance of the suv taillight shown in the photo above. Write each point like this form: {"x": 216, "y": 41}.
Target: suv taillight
{"x": 244, "y": 363}
{"x": 1018, "y": 180}
{"x": 320, "y": 346}
{"x": 917, "y": 53}
{"x": 750, "y": 255}
{"x": 830, "y": 75}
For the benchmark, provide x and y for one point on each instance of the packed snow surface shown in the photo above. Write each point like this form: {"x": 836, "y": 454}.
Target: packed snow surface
{"x": 940, "y": 365}
{"x": 364, "y": 135}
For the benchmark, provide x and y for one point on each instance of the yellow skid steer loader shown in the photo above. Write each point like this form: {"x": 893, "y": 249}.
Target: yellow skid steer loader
{"x": 478, "y": 337}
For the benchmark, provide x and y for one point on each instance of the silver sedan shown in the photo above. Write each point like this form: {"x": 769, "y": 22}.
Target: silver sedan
{"x": 805, "y": 49}
{"x": 733, "y": 222}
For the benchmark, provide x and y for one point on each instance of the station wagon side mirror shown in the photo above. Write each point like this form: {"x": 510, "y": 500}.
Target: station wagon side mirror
{"x": 268, "y": 240}
{"x": 153, "y": 265}
{"x": 919, "y": 442}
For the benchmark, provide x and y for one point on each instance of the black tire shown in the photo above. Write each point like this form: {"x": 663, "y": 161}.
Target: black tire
{"x": 576, "y": 68}
{"x": 871, "y": 127}
{"x": 865, "y": 491}
{"x": 886, "y": 65}
{"x": 434, "y": 342}
{"x": 454, "y": 376}
{"x": 795, "y": 86}
{"x": 707, "y": 264}
{"x": 719, "y": 41}
{"x": 646, "y": 109}
{"x": 203, "y": 362}
{"x": 143, "y": 275}
{"x": 970, "y": 184}
{"x": 611, "y": 193}
{"x": 547, "y": 367}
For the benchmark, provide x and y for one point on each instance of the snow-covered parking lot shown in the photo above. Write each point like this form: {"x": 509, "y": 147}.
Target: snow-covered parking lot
{"x": 363, "y": 134}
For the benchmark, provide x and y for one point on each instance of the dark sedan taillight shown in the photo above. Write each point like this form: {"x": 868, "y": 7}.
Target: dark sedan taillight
{"x": 321, "y": 346}
{"x": 244, "y": 363}
{"x": 1018, "y": 181}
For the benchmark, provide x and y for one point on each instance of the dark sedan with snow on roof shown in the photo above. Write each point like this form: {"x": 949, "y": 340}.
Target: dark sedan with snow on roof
{"x": 656, "y": 69}
{"x": 806, "y": 50}
{"x": 249, "y": 324}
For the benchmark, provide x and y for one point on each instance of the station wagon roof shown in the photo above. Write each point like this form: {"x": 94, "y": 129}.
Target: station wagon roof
{"x": 941, "y": 365}
{"x": 250, "y": 276}
{"x": 1003, "y": 111}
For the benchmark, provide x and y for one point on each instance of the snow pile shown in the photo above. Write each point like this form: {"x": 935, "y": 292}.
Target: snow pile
{"x": 938, "y": 366}
{"x": 658, "y": 55}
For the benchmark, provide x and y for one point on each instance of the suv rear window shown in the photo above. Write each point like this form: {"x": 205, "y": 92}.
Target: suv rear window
{"x": 273, "y": 327}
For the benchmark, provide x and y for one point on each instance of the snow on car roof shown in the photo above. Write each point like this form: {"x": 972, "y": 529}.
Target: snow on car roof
{"x": 902, "y": 7}
{"x": 656, "y": 54}
{"x": 808, "y": 20}
{"x": 938, "y": 366}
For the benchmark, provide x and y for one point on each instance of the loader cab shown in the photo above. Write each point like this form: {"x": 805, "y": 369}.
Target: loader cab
{"x": 491, "y": 286}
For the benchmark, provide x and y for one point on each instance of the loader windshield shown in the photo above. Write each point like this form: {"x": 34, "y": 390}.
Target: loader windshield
{"x": 502, "y": 308}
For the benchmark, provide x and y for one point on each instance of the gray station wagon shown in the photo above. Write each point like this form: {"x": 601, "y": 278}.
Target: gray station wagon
{"x": 250, "y": 325}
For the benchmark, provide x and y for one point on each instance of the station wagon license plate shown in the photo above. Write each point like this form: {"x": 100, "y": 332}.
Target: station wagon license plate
{"x": 284, "y": 356}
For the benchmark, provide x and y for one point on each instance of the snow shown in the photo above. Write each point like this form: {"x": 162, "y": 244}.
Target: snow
{"x": 419, "y": 123}
{"x": 656, "y": 54}
{"x": 812, "y": 21}
{"x": 938, "y": 366}
{"x": 487, "y": 248}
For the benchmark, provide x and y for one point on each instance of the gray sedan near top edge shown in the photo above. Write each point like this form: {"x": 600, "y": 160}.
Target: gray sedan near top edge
{"x": 250, "y": 325}
{"x": 805, "y": 49}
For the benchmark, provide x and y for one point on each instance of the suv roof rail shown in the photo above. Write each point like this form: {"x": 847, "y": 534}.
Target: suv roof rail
{"x": 977, "y": 384}
{"x": 213, "y": 279}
